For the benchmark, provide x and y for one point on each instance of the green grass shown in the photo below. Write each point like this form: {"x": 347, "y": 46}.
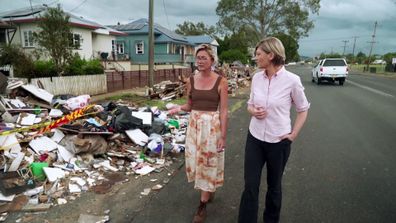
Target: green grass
{"x": 144, "y": 101}
{"x": 360, "y": 67}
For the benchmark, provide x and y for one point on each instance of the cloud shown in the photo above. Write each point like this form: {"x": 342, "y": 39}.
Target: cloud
{"x": 338, "y": 20}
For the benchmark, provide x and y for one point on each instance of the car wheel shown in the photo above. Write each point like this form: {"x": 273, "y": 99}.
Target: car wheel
{"x": 319, "y": 80}
{"x": 341, "y": 82}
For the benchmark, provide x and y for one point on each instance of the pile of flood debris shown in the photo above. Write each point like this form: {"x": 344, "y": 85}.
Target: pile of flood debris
{"x": 55, "y": 147}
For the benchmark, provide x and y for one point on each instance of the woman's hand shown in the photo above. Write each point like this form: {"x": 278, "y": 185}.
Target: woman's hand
{"x": 258, "y": 112}
{"x": 174, "y": 110}
{"x": 290, "y": 136}
{"x": 220, "y": 145}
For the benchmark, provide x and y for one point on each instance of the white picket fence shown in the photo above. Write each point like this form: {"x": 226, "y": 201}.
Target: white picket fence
{"x": 75, "y": 85}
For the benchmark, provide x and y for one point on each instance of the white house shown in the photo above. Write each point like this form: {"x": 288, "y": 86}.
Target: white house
{"x": 92, "y": 37}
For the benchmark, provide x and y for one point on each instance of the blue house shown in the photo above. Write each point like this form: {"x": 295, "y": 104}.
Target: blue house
{"x": 169, "y": 47}
{"x": 203, "y": 39}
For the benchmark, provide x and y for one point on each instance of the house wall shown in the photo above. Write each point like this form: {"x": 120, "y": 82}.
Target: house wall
{"x": 86, "y": 49}
{"x": 161, "y": 52}
{"x": 129, "y": 47}
{"x": 101, "y": 43}
{"x": 18, "y": 38}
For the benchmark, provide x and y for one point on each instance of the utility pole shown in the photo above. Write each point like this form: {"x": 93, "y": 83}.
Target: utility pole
{"x": 345, "y": 42}
{"x": 151, "y": 44}
{"x": 372, "y": 44}
{"x": 354, "y": 44}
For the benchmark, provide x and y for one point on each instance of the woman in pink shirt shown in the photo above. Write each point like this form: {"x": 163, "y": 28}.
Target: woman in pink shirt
{"x": 273, "y": 92}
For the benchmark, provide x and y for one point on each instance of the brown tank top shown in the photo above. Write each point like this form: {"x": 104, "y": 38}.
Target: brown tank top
{"x": 205, "y": 100}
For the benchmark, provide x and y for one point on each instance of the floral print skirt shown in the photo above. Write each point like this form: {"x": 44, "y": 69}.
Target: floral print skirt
{"x": 204, "y": 164}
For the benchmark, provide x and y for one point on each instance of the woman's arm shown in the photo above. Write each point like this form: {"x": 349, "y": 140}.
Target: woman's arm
{"x": 298, "y": 124}
{"x": 223, "y": 113}
{"x": 185, "y": 107}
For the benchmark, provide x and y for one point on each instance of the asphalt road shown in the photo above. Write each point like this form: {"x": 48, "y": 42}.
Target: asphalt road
{"x": 342, "y": 167}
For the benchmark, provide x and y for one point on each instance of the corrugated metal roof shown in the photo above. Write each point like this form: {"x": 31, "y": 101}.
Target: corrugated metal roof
{"x": 30, "y": 14}
{"x": 141, "y": 26}
{"x": 200, "y": 39}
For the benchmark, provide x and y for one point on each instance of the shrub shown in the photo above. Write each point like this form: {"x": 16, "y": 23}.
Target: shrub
{"x": 75, "y": 66}
{"x": 93, "y": 67}
{"x": 22, "y": 62}
{"x": 78, "y": 66}
{"x": 44, "y": 68}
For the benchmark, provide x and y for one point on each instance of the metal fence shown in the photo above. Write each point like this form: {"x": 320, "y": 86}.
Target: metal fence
{"x": 131, "y": 79}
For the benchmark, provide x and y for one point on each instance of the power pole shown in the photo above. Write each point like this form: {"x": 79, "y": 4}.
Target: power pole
{"x": 345, "y": 42}
{"x": 372, "y": 44}
{"x": 151, "y": 44}
{"x": 354, "y": 44}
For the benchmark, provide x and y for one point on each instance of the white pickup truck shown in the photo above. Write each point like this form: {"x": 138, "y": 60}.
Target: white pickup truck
{"x": 331, "y": 70}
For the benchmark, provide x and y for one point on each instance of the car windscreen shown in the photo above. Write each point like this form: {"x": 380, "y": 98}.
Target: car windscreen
{"x": 334, "y": 63}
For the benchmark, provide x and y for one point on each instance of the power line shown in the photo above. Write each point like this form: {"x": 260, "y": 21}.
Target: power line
{"x": 78, "y": 6}
{"x": 330, "y": 39}
{"x": 167, "y": 19}
{"x": 31, "y": 7}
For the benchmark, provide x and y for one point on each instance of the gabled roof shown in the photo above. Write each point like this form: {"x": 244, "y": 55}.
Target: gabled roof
{"x": 28, "y": 15}
{"x": 196, "y": 40}
{"x": 141, "y": 26}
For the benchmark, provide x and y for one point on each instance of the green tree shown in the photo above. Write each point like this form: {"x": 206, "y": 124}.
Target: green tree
{"x": 15, "y": 56}
{"x": 55, "y": 37}
{"x": 232, "y": 55}
{"x": 361, "y": 57}
{"x": 191, "y": 29}
{"x": 330, "y": 55}
{"x": 350, "y": 58}
{"x": 262, "y": 18}
{"x": 388, "y": 59}
{"x": 233, "y": 47}
{"x": 291, "y": 47}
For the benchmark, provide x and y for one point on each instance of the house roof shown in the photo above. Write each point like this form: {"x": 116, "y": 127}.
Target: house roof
{"x": 5, "y": 25}
{"x": 28, "y": 15}
{"x": 163, "y": 35}
{"x": 202, "y": 39}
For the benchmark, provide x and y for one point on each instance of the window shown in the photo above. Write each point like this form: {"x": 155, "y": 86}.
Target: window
{"x": 28, "y": 38}
{"x": 120, "y": 48}
{"x": 170, "y": 48}
{"x": 75, "y": 41}
{"x": 334, "y": 63}
{"x": 113, "y": 45}
{"x": 139, "y": 47}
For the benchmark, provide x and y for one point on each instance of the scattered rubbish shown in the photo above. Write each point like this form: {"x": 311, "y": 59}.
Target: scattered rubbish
{"x": 137, "y": 136}
{"x": 52, "y": 148}
{"x": 146, "y": 191}
{"x": 86, "y": 218}
{"x": 157, "y": 187}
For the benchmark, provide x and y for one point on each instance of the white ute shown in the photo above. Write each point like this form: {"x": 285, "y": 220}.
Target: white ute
{"x": 331, "y": 70}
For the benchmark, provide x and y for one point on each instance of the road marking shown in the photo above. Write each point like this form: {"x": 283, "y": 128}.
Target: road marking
{"x": 371, "y": 89}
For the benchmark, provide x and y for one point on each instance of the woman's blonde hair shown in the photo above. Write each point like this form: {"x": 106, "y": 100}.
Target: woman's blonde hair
{"x": 275, "y": 46}
{"x": 207, "y": 48}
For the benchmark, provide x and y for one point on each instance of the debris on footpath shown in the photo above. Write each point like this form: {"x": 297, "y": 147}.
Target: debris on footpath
{"x": 53, "y": 148}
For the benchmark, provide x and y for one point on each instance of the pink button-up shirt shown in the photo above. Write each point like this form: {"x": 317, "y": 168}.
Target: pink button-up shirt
{"x": 276, "y": 95}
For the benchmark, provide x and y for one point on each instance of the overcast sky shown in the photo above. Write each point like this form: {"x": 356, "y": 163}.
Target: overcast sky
{"x": 338, "y": 20}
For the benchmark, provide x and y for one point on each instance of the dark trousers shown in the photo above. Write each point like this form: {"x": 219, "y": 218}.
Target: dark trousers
{"x": 258, "y": 153}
